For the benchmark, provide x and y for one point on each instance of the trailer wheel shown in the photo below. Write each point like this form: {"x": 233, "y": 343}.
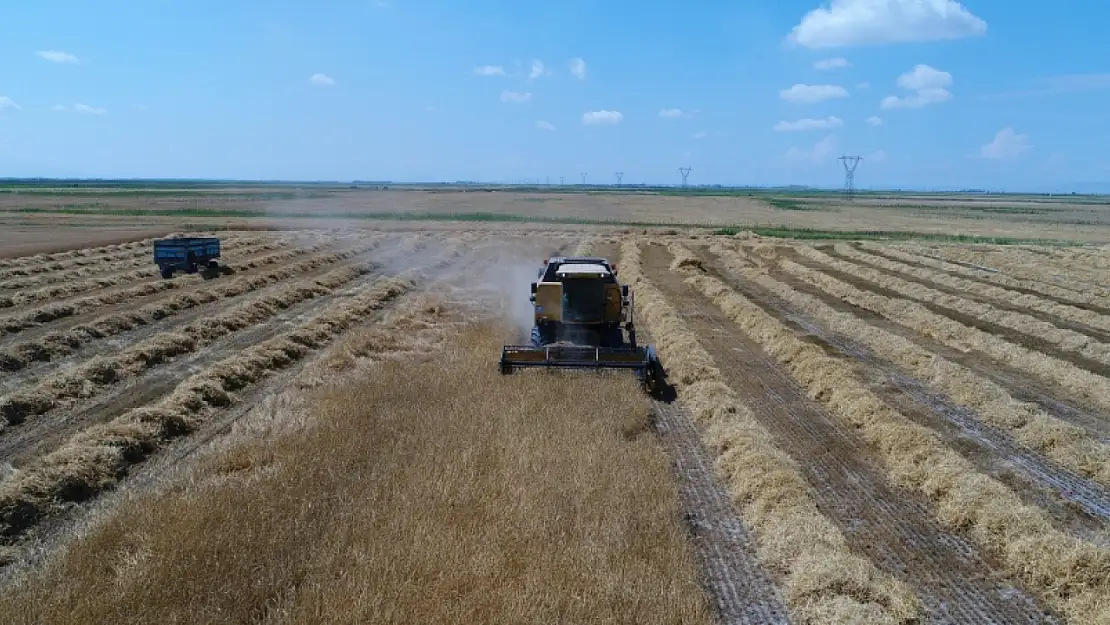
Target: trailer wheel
{"x": 166, "y": 273}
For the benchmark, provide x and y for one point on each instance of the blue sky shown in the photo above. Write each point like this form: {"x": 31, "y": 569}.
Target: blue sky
{"x": 987, "y": 93}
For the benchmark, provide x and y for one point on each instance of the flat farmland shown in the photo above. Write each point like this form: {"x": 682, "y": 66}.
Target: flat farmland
{"x": 1047, "y": 218}
{"x": 860, "y": 431}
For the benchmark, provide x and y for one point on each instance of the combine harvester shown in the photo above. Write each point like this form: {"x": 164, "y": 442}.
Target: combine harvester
{"x": 582, "y": 317}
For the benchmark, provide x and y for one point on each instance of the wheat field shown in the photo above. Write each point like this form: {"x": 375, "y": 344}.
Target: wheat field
{"x": 860, "y": 432}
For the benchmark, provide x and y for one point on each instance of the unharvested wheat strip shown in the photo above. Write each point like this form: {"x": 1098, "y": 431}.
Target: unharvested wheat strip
{"x": 1071, "y": 575}
{"x": 17, "y": 322}
{"x": 1066, "y": 339}
{"x": 56, "y": 344}
{"x": 1084, "y": 384}
{"x": 1014, "y": 298}
{"x": 93, "y": 376}
{"x": 95, "y": 459}
{"x": 1065, "y": 444}
{"x": 23, "y": 298}
{"x": 823, "y": 581}
{"x": 110, "y": 269}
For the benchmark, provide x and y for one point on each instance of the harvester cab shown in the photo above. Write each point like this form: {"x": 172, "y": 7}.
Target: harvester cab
{"x": 583, "y": 319}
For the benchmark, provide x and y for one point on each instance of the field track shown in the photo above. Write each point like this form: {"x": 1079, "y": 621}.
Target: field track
{"x": 859, "y": 432}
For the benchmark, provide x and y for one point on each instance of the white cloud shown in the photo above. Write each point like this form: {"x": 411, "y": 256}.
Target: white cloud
{"x": 874, "y": 121}
{"x": 929, "y": 83}
{"x": 924, "y": 77}
{"x": 677, "y": 113}
{"x": 538, "y": 70}
{"x": 602, "y": 117}
{"x": 578, "y": 68}
{"x": 57, "y": 56}
{"x": 321, "y": 79}
{"x": 490, "y": 70}
{"x": 867, "y": 22}
{"x": 809, "y": 124}
{"x": 820, "y": 151}
{"x": 811, "y": 94}
{"x": 515, "y": 96}
{"x": 89, "y": 110}
{"x": 7, "y": 103}
{"x": 1006, "y": 145}
{"x": 921, "y": 99}
{"x": 835, "y": 63}
{"x": 699, "y": 135}
{"x": 542, "y": 125}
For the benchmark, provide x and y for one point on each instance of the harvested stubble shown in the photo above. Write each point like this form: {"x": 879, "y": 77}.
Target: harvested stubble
{"x": 823, "y": 581}
{"x": 1079, "y": 279}
{"x": 1065, "y": 339}
{"x": 1074, "y": 292}
{"x": 92, "y": 259}
{"x": 477, "y": 499}
{"x": 1072, "y": 575}
{"x": 1084, "y": 384}
{"x": 1074, "y": 340}
{"x": 28, "y": 265}
{"x": 98, "y": 373}
{"x": 95, "y": 459}
{"x": 14, "y": 323}
{"x": 23, "y": 298}
{"x": 102, "y": 270}
{"x": 1067, "y": 445}
{"x": 57, "y": 344}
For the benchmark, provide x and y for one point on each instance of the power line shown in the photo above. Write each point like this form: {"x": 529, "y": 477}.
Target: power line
{"x": 850, "y": 165}
{"x": 685, "y": 171}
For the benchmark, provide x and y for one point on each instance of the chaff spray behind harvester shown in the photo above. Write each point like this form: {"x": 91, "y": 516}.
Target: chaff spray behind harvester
{"x": 583, "y": 319}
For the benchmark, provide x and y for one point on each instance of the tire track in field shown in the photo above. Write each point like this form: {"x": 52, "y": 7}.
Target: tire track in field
{"x": 892, "y": 528}
{"x": 1077, "y": 504}
{"x": 59, "y": 343}
{"x": 15, "y": 322}
{"x": 97, "y": 458}
{"x": 741, "y": 590}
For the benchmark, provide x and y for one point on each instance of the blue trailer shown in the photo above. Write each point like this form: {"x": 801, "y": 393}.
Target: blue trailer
{"x": 188, "y": 254}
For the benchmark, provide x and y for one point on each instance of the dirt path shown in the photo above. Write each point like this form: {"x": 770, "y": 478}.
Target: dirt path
{"x": 892, "y": 528}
